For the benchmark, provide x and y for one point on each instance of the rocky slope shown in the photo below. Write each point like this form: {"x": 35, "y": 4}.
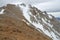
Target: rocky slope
{"x": 43, "y": 22}
{"x": 15, "y": 26}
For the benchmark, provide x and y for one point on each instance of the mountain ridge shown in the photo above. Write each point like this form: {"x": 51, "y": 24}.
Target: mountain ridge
{"x": 14, "y": 26}
{"x": 38, "y": 20}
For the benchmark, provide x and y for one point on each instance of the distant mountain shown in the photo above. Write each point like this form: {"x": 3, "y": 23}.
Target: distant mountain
{"x": 58, "y": 18}
{"x": 26, "y": 22}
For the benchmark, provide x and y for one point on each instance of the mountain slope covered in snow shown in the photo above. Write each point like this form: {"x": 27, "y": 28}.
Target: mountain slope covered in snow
{"x": 44, "y": 22}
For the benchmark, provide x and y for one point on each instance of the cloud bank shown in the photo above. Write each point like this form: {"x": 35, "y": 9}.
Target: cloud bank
{"x": 51, "y": 6}
{"x": 3, "y": 2}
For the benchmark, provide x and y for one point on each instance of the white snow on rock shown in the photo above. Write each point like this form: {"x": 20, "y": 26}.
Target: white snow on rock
{"x": 47, "y": 23}
{"x": 26, "y": 13}
{"x": 50, "y": 16}
{"x": 1, "y": 12}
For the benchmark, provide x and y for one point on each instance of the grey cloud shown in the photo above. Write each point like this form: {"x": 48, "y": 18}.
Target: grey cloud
{"x": 52, "y": 6}
{"x": 3, "y": 2}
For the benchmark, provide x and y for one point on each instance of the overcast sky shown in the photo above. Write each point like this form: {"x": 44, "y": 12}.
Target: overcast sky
{"x": 3, "y": 2}
{"x": 51, "y": 6}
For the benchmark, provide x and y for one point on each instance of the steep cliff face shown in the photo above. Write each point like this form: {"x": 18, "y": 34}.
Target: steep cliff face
{"x": 15, "y": 26}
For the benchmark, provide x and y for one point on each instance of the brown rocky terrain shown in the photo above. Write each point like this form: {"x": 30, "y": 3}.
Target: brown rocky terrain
{"x": 14, "y": 27}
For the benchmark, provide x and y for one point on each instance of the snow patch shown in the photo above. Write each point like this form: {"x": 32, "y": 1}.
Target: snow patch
{"x": 54, "y": 36}
{"x": 1, "y": 12}
{"x": 47, "y": 23}
{"x": 25, "y": 21}
{"x": 50, "y": 16}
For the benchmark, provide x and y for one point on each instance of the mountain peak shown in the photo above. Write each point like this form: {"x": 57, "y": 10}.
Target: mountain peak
{"x": 14, "y": 25}
{"x": 30, "y": 21}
